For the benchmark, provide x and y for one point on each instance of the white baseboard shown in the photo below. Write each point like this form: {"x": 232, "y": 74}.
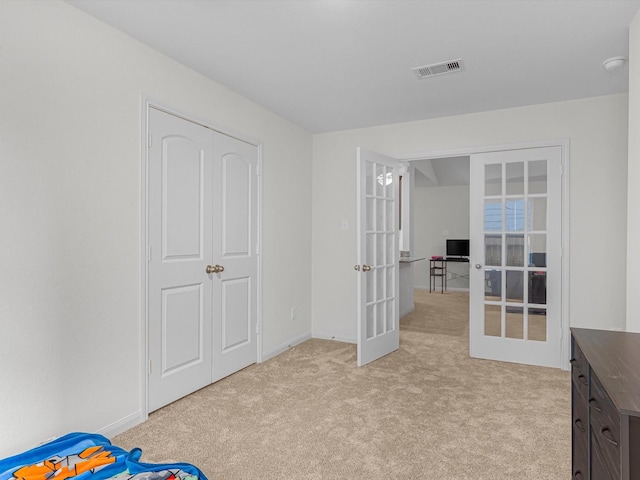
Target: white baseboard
{"x": 122, "y": 425}
{"x": 285, "y": 346}
{"x": 331, "y": 336}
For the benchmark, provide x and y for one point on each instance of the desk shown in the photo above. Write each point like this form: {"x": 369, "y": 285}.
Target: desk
{"x": 438, "y": 269}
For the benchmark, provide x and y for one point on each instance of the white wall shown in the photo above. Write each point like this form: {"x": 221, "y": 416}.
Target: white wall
{"x": 633, "y": 220}
{"x": 70, "y": 194}
{"x": 597, "y": 129}
{"x": 436, "y": 209}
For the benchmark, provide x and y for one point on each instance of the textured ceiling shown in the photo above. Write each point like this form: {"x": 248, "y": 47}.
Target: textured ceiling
{"x": 339, "y": 64}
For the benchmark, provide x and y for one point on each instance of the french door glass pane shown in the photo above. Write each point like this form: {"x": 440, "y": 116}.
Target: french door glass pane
{"x": 538, "y": 288}
{"x": 493, "y": 179}
{"x": 371, "y": 288}
{"x": 514, "y": 215}
{"x": 538, "y": 213}
{"x": 390, "y": 249}
{"x": 390, "y": 308}
{"x": 390, "y": 216}
{"x": 379, "y": 274}
{"x": 380, "y": 180}
{"x": 370, "y": 217}
{"x": 492, "y": 320}
{"x": 380, "y": 247}
{"x": 370, "y": 254}
{"x": 370, "y": 321}
{"x": 537, "y": 324}
{"x": 371, "y": 247}
{"x": 537, "y": 250}
{"x": 514, "y": 321}
{"x": 515, "y": 250}
{"x": 537, "y": 176}
{"x": 493, "y": 250}
{"x": 379, "y": 223}
{"x": 515, "y": 286}
{"x": 515, "y": 178}
{"x": 380, "y": 320}
{"x": 492, "y": 215}
{"x": 492, "y": 284}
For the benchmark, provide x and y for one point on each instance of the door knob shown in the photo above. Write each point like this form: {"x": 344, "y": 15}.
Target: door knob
{"x": 366, "y": 268}
{"x": 214, "y": 269}
{"x": 478, "y": 266}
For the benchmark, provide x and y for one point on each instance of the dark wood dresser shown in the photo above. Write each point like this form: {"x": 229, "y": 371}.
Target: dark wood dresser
{"x": 605, "y": 404}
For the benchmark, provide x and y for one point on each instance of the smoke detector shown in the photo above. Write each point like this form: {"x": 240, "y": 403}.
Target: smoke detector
{"x": 441, "y": 68}
{"x": 613, "y": 63}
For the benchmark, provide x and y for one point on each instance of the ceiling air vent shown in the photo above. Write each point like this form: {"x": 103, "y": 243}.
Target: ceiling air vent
{"x": 451, "y": 66}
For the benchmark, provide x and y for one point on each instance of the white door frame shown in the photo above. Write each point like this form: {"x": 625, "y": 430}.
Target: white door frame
{"x": 564, "y": 145}
{"x": 146, "y": 104}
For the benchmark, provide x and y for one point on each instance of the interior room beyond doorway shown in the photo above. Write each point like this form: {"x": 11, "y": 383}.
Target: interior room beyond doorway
{"x": 440, "y": 204}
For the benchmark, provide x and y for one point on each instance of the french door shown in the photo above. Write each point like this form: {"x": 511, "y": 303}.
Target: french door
{"x": 202, "y": 209}
{"x": 377, "y": 256}
{"x": 516, "y": 255}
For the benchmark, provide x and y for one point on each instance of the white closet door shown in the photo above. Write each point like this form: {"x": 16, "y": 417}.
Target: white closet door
{"x": 180, "y": 216}
{"x": 235, "y": 248}
{"x": 203, "y": 237}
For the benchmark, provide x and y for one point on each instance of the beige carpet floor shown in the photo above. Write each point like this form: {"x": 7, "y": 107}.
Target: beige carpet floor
{"x": 440, "y": 313}
{"x": 427, "y": 411}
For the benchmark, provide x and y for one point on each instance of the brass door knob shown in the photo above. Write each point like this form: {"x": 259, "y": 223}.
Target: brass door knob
{"x": 214, "y": 269}
{"x": 366, "y": 268}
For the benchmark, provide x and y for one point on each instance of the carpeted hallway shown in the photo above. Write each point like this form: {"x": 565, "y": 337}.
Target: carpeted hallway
{"x": 427, "y": 411}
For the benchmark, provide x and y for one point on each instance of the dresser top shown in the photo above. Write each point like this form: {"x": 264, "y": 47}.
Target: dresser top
{"x": 615, "y": 359}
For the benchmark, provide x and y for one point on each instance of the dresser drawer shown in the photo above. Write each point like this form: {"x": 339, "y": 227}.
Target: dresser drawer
{"x": 605, "y": 427}
{"x": 579, "y": 415}
{"x": 580, "y": 457}
{"x": 580, "y": 373}
{"x": 578, "y": 359}
{"x": 599, "y": 468}
{"x": 602, "y": 409}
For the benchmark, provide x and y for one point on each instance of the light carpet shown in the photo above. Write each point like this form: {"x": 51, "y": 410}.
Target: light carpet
{"x": 427, "y": 411}
{"x": 439, "y": 313}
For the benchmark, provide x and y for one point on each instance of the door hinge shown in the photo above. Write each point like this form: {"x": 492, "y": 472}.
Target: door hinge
{"x": 258, "y": 169}
{"x": 257, "y": 329}
{"x": 149, "y": 367}
{"x": 149, "y": 140}
{"x": 149, "y": 253}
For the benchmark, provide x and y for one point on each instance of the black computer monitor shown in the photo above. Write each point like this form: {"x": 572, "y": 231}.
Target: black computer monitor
{"x": 457, "y": 248}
